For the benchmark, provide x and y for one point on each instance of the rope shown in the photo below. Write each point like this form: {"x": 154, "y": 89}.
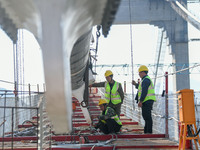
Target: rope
{"x": 22, "y": 51}
{"x": 14, "y": 50}
{"x": 132, "y": 69}
{"x": 17, "y": 84}
{"x": 98, "y": 34}
{"x": 17, "y": 61}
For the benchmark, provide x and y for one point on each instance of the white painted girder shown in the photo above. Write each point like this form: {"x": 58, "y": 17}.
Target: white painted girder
{"x": 57, "y": 24}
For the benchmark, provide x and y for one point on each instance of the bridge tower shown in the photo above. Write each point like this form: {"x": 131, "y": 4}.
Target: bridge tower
{"x": 161, "y": 14}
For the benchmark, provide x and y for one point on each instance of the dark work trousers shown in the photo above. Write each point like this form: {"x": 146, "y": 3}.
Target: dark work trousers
{"x": 116, "y": 107}
{"x": 111, "y": 126}
{"x": 146, "y": 114}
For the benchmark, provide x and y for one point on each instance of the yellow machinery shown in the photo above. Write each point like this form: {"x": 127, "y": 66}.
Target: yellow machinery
{"x": 187, "y": 118}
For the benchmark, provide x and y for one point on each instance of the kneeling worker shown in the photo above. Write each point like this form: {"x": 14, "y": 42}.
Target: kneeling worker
{"x": 109, "y": 121}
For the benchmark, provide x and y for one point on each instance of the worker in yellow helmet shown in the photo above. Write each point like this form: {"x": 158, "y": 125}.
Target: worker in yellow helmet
{"x": 113, "y": 92}
{"x": 145, "y": 97}
{"x": 109, "y": 121}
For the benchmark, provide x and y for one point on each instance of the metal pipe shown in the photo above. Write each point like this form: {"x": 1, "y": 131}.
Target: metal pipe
{"x": 86, "y": 91}
{"x": 38, "y": 126}
{"x": 166, "y": 106}
{"x": 29, "y": 89}
{"x": 38, "y": 88}
{"x": 12, "y": 127}
{"x": 16, "y": 103}
{"x": 4, "y": 118}
{"x": 124, "y": 87}
{"x": 50, "y": 139}
{"x": 158, "y": 59}
{"x": 19, "y": 107}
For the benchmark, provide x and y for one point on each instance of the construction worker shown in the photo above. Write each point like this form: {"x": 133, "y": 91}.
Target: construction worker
{"x": 145, "y": 97}
{"x": 109, "y": 121}
{"x": 113, "y": 92}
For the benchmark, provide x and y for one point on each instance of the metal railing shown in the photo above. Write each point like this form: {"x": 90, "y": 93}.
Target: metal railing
{"x": 164, "y": 122}
{"x": 23, "y": 116}
{"x": 44, "y": 127}
{"x": 159, "y": 114}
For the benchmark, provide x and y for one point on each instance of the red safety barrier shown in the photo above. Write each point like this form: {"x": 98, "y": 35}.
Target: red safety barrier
{"x": 120, "y": 147}
{"x": 106, "y": 137}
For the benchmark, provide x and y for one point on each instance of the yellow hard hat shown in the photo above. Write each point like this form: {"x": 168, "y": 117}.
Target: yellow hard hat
{"x": 108, "y": 73}
{"x": 143, "y": 68}
{"x": 102, "y": 101}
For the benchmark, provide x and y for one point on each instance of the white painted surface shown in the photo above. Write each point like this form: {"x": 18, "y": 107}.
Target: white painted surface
{"x": 57, "y": 25}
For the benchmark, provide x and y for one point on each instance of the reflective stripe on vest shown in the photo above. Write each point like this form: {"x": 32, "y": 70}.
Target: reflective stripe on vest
{"x": 150, "y": 94}
{"x": 116, "y": 118}
{"x": 112, "y": 95}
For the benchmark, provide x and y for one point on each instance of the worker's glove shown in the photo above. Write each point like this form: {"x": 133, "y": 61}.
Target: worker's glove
{"x": 103, "y": 117}
{"x": 97, "y": 125}
{"x": 133, "y": 82}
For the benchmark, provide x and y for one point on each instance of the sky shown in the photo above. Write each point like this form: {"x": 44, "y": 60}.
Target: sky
{"x": 144, "y": 43}
{"x": 33, "y": 65}
{"x": 115, "y": 49}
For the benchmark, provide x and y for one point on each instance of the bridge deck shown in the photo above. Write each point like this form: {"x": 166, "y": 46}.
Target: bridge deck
{"x": 85, "y": 137}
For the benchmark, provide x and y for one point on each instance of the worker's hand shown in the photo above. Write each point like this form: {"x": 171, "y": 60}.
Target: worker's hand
{"x": 133, "y": 82}
{"x": 140, "y": 104}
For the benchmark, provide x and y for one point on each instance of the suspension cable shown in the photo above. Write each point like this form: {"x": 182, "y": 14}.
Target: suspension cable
{"x": 194, "y": 66}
